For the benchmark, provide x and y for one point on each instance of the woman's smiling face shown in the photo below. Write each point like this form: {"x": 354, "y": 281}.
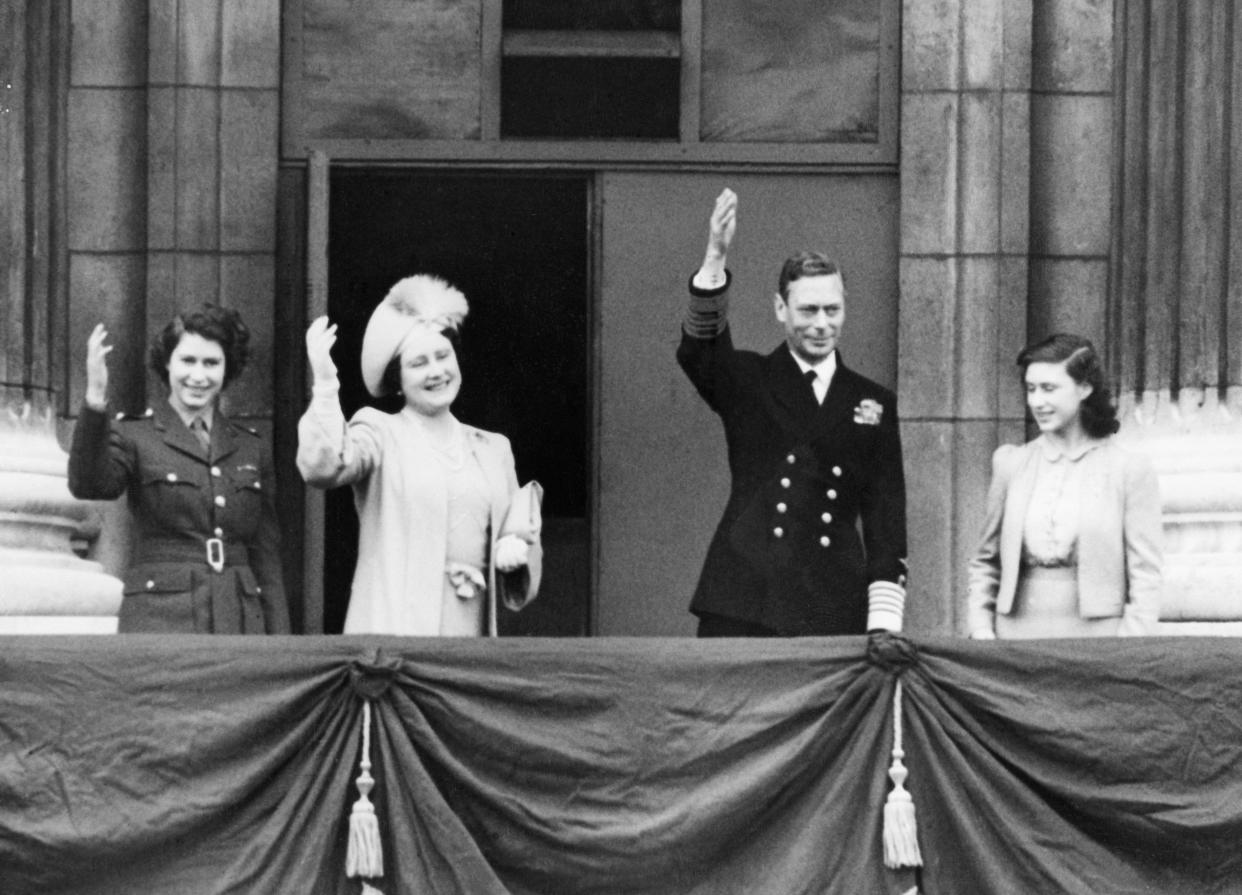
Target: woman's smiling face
{"x": 195, "y": 373}
{"x": 1054, "y": 397}
{"x": 430, "y": 377}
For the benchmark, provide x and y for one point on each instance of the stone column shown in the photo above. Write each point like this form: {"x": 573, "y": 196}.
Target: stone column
{"x": 1175, "y": 306}
{"x": 965, "y": 173}
{"x": 45, "y": 587}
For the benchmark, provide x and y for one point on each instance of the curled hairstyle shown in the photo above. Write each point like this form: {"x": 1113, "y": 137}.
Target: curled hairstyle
{"x": 390, "y": 384}
{"x": 212, "y": 322}
{"x": 807, "y": 264}
{"x": 1082, "y": 363}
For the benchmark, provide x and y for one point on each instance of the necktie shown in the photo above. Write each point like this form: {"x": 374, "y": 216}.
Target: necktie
{"x": 811, "y": 378}
{"x": 199, "y": 428}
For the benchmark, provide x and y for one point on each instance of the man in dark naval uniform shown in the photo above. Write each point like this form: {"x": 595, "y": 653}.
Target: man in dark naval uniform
{"x": 813, "y": 449}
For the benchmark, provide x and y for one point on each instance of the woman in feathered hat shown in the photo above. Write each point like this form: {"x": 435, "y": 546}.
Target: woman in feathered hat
{"x": 441, "y": 537}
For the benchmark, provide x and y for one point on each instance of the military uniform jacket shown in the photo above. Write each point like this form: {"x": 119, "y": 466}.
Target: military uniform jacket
{"x": 787, "y": 552}
{"x": 178, "y": 500}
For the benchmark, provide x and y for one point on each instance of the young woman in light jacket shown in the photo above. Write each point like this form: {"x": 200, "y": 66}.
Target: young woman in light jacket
{"x": 1071, "y": 543}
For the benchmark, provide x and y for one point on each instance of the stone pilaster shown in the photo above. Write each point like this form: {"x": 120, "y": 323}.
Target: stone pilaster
{"x": 173, "y": 132}
{"x": 1071, "y": 167}
{"x": 965, "y": 172}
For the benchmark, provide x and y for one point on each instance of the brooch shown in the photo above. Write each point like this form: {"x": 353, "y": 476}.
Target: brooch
{"x": 868, "y": 412}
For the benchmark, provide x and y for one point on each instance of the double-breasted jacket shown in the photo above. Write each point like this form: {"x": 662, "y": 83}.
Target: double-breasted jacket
{"x": 787, "y": 553}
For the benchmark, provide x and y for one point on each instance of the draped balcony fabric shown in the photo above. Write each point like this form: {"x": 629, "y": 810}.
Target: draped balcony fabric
{"x": 614, "y": 766}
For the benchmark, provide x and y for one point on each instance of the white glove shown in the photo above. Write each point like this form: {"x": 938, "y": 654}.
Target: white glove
{"x": 511, "y": 553}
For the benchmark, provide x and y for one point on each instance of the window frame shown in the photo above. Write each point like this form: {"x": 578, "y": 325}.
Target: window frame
{"x": 687, "y": 151}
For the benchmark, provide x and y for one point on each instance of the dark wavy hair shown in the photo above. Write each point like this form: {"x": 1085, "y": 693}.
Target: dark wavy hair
{"x": 1082, "y": 363}
{"x": 212, "y": 322}
{"x": 390, "y": 382}
{"x": 806, "y": 264}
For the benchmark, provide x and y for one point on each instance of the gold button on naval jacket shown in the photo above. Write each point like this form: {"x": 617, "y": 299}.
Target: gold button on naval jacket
{"x": 172, "y": 477}
{"x": 215, "y": 472}
{"x": 784, "y": 483}
{"x": 219, "y": 532}
{"x": 780, "y": 508}
{"x": 825, "y": 541}
{"x": 219, "y": 500}
{"x": 791, "y": 459}
{"x": 836, "y": 470}
{"x": 832, "y": 494}
{"x": 778, "y": 532}
{"x": 827, "y": 517}
{"x": 150, "y": 585}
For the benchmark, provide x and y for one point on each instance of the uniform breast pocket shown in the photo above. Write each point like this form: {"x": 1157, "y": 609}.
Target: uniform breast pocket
{"x": 247, "y": 489}
{"x": 170, "y": 498}
{"x": 170, "y": 480}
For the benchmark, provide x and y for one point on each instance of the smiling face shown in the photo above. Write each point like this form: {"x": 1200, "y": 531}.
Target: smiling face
{"x": 195, "y": 373}
{"x": 1054, "y": 398}
{"x": 813, "y": 315}
{"x": 430, "y": 377}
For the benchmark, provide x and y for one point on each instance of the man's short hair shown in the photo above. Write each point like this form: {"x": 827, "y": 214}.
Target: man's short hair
{"x": 807, "y": 264}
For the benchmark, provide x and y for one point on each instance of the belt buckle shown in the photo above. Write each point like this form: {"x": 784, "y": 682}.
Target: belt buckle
{"x": 215, "y": 554}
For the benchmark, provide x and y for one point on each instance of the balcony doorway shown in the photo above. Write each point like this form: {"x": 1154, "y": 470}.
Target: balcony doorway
{"x": 519, "y": 247}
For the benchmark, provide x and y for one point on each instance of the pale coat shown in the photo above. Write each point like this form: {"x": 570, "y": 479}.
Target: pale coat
{"x": 1119, "y": 537}
{"x": 402, "y": 512}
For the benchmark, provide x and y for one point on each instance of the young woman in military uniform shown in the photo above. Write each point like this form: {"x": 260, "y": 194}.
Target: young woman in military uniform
{"x": 205, "y": 555}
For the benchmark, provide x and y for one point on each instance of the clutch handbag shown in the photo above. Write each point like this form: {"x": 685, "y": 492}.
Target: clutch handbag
{"x": 524, "y": 519}
{"x": 525, "y": 515}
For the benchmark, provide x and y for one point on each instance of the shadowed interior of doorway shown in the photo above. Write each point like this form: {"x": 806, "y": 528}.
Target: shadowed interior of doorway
{"x": 518, "y": 246}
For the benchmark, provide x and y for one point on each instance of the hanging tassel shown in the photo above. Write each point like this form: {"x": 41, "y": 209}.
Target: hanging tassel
{"x": 365, "y": 855}
{"x": 901, "y": 840}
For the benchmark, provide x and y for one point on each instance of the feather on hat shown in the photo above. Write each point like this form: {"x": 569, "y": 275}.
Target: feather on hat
{"x": 420, "y": 300}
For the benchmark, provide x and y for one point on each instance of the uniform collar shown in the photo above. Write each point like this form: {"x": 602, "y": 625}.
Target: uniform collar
{"x": 207, "y": 415}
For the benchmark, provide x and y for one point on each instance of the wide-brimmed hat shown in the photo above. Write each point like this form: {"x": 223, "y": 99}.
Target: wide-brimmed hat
{"x": 420, "y": 300}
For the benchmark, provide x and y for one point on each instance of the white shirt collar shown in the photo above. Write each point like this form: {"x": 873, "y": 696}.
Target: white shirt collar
{"x": 824, "y": 370}
{"x": 1053, "y": 452}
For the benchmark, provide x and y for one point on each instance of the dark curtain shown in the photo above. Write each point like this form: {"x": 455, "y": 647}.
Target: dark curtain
{"x": 191, "y": 765}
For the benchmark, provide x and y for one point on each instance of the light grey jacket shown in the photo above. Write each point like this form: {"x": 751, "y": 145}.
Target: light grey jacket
{"x": 1119, "y": 537}
{"x": 402, "y": 506}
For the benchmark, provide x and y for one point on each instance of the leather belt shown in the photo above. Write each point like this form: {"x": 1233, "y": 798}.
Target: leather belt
{"x": 213, "y": 552}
